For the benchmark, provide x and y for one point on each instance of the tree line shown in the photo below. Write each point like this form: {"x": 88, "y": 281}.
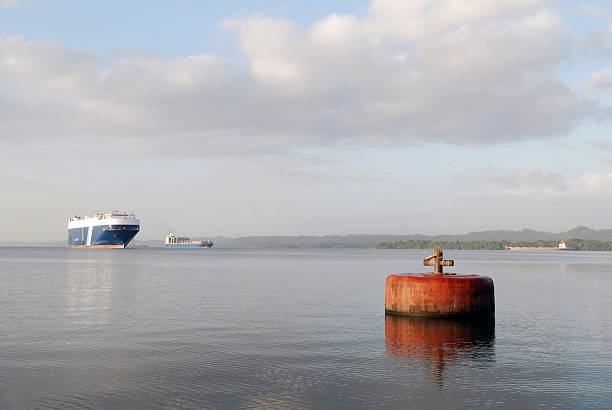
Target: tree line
{"x": 573, "y": 244}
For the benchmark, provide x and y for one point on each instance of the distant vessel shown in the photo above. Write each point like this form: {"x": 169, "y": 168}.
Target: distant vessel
{"x": 104, "y": 230}
{"x": 561, "y": 247}
{"x": 173, "y": 241}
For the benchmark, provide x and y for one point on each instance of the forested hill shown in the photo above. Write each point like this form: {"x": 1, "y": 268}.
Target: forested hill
{"x": 365, "y": 241}
{"x": 529, "y": 235}
{"x": 572, "y": 244}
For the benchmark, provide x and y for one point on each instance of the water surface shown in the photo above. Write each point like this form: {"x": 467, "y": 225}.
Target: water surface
{"x": 219, "y": 328}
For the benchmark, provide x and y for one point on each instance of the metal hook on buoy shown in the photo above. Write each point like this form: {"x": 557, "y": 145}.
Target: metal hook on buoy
{"x": 438, "y": 262}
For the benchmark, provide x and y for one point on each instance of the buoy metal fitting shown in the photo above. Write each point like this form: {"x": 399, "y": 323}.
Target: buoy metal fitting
{"x": 439, "y": 293}
{"x": 437, "y": 261}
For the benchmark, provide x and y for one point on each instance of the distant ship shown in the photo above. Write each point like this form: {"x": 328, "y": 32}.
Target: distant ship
{"x": 173, "y": 241}
{"x": 104, "y": 230}
{"x": 561, "y": 247}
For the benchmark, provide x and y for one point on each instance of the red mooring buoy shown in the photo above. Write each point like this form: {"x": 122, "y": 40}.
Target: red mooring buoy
{"x": 438, "y": 293}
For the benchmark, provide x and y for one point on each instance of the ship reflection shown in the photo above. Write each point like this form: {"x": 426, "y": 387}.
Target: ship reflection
{"x": 436, "y": 343}
{"x": 88, "y": 289}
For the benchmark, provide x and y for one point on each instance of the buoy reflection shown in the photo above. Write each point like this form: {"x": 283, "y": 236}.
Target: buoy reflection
{"x": 436, "y": 343}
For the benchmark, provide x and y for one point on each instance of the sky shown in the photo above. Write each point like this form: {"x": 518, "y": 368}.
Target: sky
{"x": 278, "y": 117}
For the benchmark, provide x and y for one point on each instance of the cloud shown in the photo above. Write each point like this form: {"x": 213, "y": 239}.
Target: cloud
{"x": 601, "y": 144}
{"x": 14, "y": 3}
{"x": 406, "y": 72}
{"x": 522, "y": 182}
{"x": 601, "y": 80}
{"x": 515, "y": 181}
{"x": 594, "y": 182}
{"x": 595, "y": 12}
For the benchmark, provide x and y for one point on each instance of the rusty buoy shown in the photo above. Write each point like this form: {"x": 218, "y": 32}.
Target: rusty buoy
{"x": 439, "y": 293}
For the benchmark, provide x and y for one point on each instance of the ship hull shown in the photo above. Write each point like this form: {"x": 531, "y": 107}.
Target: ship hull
{"x": 100, "y": 246}
{"x": 102, "y": 236}
{"x": 187, "y": 245}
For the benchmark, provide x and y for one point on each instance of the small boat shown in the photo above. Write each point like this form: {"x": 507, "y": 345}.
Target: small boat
{"x": 173, "y": 241}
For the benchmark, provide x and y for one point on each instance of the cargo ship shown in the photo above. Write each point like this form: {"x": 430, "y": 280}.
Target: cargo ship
{"x": 173, "y": 241}
{"x": 104, "y": 230}
{"x": 561, "y": 247}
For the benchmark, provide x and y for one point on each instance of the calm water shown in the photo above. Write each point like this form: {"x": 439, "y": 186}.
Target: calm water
{"x": 302, "y": 329}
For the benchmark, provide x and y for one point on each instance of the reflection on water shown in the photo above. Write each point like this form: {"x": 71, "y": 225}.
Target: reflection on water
{"x": 88, "y": 290}
{"x": 435, "y": 343}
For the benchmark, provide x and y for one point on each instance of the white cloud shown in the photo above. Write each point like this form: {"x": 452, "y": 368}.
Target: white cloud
{"x": 517, "y": 181}
{"x": 595, "y": 12}
{"x": 601, "y": 80}
{"x": 407, "y": 72}
{"x": 533, "y": 182}
{"x": 14, "y": 3}
{"x": 601, "y": 144}
{"x": 594, "y": 182}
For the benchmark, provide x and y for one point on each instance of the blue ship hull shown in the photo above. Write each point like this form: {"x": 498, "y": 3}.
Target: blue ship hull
{"x": 103, "y": 236}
